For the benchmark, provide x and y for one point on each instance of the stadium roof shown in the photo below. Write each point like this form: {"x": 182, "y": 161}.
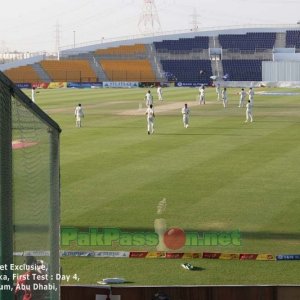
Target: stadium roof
{"x": 159, "y": 36}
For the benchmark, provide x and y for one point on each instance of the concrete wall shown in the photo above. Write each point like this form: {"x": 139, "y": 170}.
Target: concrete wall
{"x": 281, "y": 70}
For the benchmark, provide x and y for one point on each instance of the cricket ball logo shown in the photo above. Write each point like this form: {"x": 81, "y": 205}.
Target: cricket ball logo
{"x": 168, "y": 238}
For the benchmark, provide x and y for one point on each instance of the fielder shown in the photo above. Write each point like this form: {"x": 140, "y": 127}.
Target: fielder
{"x": 242, "y": 94}
{"x": 159, "y": 93}
{"x": 249, "y": 112}
{"x": 78, "y": 115}
{"x": 218, "y": 91}
{"x": 251, "y": 95}
{"x": 148, "y": 98}
{"x": 202, "y": 95}
{"x": 150, "y": 119}
{"x": 185, "y": 115}
{"x": 33, "y": 94}
{"x": 224, "y": 97}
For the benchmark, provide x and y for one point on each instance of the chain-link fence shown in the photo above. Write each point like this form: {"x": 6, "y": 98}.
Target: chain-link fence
{"x": 29, "y": 197}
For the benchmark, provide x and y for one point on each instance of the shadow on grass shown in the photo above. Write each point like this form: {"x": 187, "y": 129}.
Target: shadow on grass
{"x": 197, "y": 269}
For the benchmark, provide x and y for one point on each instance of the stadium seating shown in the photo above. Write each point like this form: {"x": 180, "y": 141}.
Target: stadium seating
{"x": 243, "y": 70}
{"x": 188, "y": 70}
{"x": 23, "y": 74}
{"x": 182, "y": 44}
{"x": 252, "y": 41}
{"x": 69, "y": 70}
{"x": 123, "y": 50}
{"x": 181, "y": 60}
{"x": 293, "y": 39}
{"x": 128, "y": 70}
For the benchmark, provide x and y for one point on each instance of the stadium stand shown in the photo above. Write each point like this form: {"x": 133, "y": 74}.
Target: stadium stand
{"x": 128, "y": 70}
{"x": 123, "y": 50}
{"x": 293, "y": 39}
{"x": 251, "y": 41}
{"x": 243, "y": 69}
{"x": 183, "y": 44}
{"x": 23, "y": 74}
{"x": 69, "y": 70}
{"x": 235, "y": 52}
{"x": 188, "y": 70}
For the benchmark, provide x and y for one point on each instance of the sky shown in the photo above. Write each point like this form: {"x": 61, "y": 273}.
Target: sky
{"x": 35, "y": 25}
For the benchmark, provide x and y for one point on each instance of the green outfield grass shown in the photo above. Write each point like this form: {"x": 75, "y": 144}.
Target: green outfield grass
{"x": 219, "y": 175}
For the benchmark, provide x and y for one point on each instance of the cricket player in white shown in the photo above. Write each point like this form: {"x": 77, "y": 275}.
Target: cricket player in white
{"x": 218, "y": 91}
{"x": 149, "y": 99}
{"x": 185, "y": 115}
{"x": 251, "y": 96}
{"x": 202, "y": 95}
{"x": 159, "y": 93}
{"x": 224, "y": 97}
{"x": 242, "y": 94}
{"x": 249, "y": 112}
{"x": 33, "y": 94}
{"x": 78, "y": 115}
{"x": 150, "y": 119}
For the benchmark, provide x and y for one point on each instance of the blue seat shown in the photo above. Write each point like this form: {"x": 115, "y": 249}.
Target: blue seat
{"x": 250, "y": 41}
{"x": 183, "y": 44}
{"x": 293, "y": 39}
{"x": 243, "y": 70}
{"x": 188, "y": 70}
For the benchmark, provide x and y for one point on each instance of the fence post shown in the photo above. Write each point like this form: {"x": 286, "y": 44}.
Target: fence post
{"x": 6, "y": 215}
{"x": 54, "y": 210}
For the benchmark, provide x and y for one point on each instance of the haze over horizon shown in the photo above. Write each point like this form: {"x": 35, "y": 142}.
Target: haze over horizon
{"x": 38, "y": 27}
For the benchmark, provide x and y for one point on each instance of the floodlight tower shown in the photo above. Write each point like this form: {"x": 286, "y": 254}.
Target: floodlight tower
{"x": 57, "y": 38}
{"x": 149, "y": 21}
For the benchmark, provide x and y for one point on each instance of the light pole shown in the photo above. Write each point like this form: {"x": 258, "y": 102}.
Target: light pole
{"x": 74, "y": 34}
